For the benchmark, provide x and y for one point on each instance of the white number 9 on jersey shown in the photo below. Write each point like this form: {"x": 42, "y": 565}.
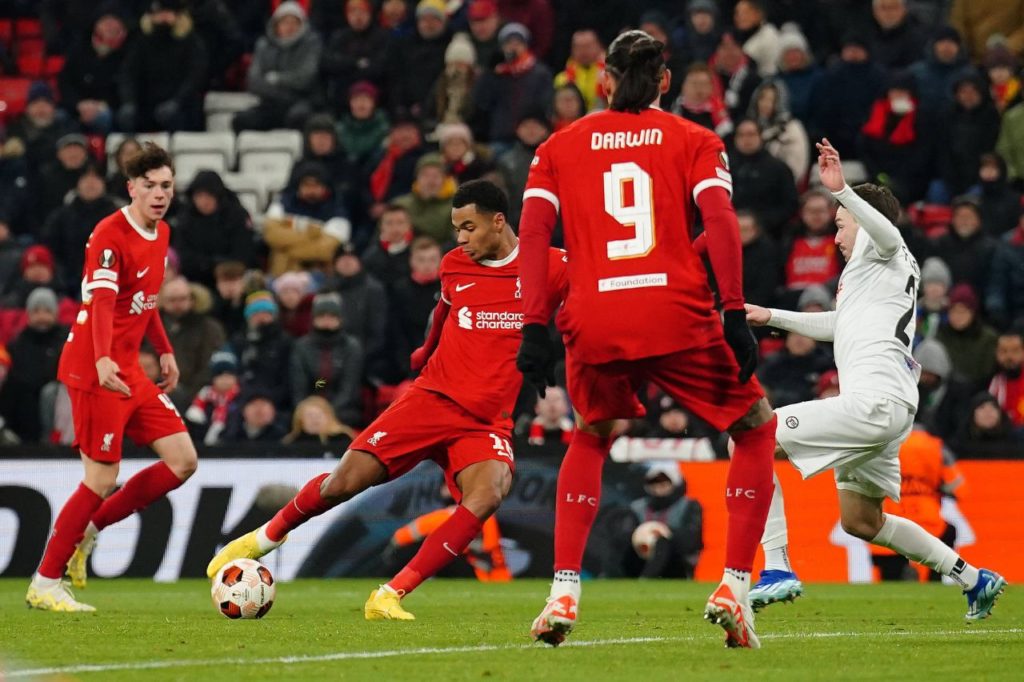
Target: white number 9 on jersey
{"x": 628, "y": 199}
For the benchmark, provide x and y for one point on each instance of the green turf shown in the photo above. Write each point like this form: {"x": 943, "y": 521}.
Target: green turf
{"x": 896, "y": 631}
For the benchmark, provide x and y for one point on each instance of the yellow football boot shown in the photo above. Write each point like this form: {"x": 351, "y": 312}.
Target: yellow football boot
{"x": 384, "y": 604}
{"x": 55, "y": 598}
{"x": 244, "y": 547}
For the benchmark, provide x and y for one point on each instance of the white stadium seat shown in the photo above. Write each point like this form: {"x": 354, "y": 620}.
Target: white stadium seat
{"x": 228, "y": 102}
{"x": 187, "y": 164}
{"x": 271, "y": 167}
{"x": 220, "y": 122}
{"x": 270, "y": 140}
{"x": 224, "y": 143}
{"x": 250, "y": 191}
{"x": 114, "y": 140}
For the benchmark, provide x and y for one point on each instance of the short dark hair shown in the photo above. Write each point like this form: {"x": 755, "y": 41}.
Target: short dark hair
{"x": 149, "y": 158}
{"x": 423, "y": 243}
{"x": 881, "y": 199}
{"x": 488, "y": 197}
{"x": 637, "y": 61}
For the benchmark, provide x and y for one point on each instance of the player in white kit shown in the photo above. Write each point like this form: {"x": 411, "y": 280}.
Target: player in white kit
{"x": 858, "y": 433}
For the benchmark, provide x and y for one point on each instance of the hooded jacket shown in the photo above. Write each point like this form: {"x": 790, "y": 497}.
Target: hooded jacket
{"x": 285, "y": 70}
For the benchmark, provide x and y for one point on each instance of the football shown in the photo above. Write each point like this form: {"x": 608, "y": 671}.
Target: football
{"x": 243, "y": 589}
{"x": 646, "y": 534}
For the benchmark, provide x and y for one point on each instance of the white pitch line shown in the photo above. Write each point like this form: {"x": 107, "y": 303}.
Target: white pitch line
{"x": 429, "y": 651}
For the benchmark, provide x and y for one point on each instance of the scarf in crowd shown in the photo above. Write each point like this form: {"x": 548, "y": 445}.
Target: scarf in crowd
{"x": 1005, "y": 93}
{"x": 536, "y": 436}
{"x": 380, "y": 179}
{"x": 396, "y": 247}
{"x": 220, "y": 402}
{"x": 903, "y": 133}
{"x": 520, "y": 65}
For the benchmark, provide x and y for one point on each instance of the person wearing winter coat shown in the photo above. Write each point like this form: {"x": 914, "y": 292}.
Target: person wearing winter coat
{"x": 971, "y": 343}
{"x": 264, "y": 350}
{"x": 193, "y": 333}
{"x": 283, "y": 72}
{"x": 845, "y": 96}
{"x": 355, "y": 52}
{"x": 944, "y": 63}
{"x": 1004, "y": 296}
{"x": 88, "y": 81}
{"x": 973, "y": 122}
{"x": 1010, "y": 145}
{"x": 763, "y": 184}
{"x": 783, "y": 136}
{"x": 897, "y": 37}
{"x": 967, "y": 248}
{"x": 760, "y": 39}
{"x": 1000, "y": 203}
{"x": 363, "y": 298}
{"x": 799, "y": 72}
{"x": 986, "y": 432}
{"x": 978, "y": 20}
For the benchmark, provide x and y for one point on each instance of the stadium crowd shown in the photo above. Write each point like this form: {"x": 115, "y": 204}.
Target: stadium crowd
{"x": 293, "y": 317}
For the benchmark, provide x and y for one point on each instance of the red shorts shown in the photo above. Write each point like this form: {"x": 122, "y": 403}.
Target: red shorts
{"x": 424, "y": 425}
{"x": 703, "y": 380}
{"x": 102, "y": 419}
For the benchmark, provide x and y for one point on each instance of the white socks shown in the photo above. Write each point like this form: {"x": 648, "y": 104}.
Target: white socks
{"x": 914, "y": 542}
{"x": 566, "y": 582}
{"x": 738, "y": 582}
{"x": 41, "y": 582}
{"x": 775, "y": 540}
{"x": 265, "y": 543}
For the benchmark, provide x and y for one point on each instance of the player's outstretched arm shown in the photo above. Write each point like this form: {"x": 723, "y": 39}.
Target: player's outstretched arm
{"x": 818, "y": 326}
{"x": 883, "y": 233}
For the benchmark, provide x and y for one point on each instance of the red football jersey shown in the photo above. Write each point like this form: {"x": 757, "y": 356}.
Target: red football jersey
{"x": 474, "y": 363}
{"x": 625, "y": 185}
{"x": 121, "y": 256}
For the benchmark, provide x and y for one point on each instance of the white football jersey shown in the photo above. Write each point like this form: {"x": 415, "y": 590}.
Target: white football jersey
{"x": 875, "y": 322}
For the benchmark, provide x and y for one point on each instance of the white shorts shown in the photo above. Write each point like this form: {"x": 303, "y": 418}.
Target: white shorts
{"x": 857, "y": 435}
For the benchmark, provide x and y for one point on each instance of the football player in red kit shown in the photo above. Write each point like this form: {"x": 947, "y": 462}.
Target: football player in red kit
{"x": 110, "y": 395}
{"x": 458, "y": 412}
{"x": 639, "y": 309}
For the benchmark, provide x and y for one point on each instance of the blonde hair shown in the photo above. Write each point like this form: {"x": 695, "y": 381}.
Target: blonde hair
{"x": 334, "y": 426}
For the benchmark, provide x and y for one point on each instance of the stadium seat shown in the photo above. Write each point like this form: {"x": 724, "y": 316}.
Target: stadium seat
{"x": 854, "y": 171}
{"x": 250, "y": 191}
{"x": 114, "y": 139}
{"x": 13, "y": 95}
{"x": 272, "y": 168}
{"x": 28, "y": 28}
{"x": 271, "y": 140}
{"x": 228, "y": 102}
{"x": 6, "y": 31}
{"x": 219, "y": 122}
{"x": 187, "y": 164}
{"x": 224, "y": 143}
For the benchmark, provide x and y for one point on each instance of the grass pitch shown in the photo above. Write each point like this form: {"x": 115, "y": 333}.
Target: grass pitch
{"x": 465, "y": 630}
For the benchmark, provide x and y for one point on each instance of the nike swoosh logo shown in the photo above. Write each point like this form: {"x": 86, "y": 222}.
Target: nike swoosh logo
{"x": 449, "y": 549}
{"x": 463, "y": 287}
{"x": 141, "y": 273}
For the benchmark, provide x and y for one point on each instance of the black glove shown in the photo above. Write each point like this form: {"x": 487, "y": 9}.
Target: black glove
{"x": 536, "y": 357}
{"x": 742, "y": 342}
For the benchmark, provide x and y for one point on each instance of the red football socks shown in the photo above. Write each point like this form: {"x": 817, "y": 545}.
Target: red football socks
{"x": 578, "y": 498}
{"x": 748, "y": 493}
{"x": 439, "y": 549}
{"x": 304, "y": 506}
{"x": 138, "y": 492}
{"x": 68, "y": 531}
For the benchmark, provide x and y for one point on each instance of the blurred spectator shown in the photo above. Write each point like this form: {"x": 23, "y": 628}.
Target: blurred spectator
{"x": 165, "y": 72}
{"x": 451, "y": 98}
{"x": 10, "y": 255}
{"x": 966, "y": 248}
{"x": 16, "y": 195}
{"x": 315, "y": 422}
{"x": 973, "y": 122}
{"x": 254, "y": 419}
{"x": 149, "y": 361}
{"x": 60, "y": 176}
{"x": 415, "y": 61}
{"x": 329, "y": 361}
{"x": 395, "y": 168}
{"x": 812, "y": 256}
{"x": 971, "y": 344}
{"x": 1000, "y": 203}
{"x": 845, "y": 95}
{"x": 37, "y": 269}
{"x": 229, "y": 296}
{"x": 699, "y": 32}
{"x": 760, "y": 261}
{"x": 657, "y": 25}
{"x": 463, "y": 160}
{"x": 897, "y": 37}
{"x": 413, "y": 299}
{"x": 222, "y": 36}
{"x": 979, "y": 20}
{"x": 584, "y": 68}
{"x": 363, "y": 302}
{"x": 568, "y": 106}
{"x": 792, "y": 374}
{"x": 536, "y": 16}
{"x": 698, "y": 101}
{"x": 118, "y": 182}
{"x": 894, "y": 143}
{"x": 674, "y": 421}
{"x": 430, "y": 201}
{"x": 783, "y": 136}
{"x": 760, "y": 39}
{"x": 828, "y": 385}
{"x": 484, "y": 22}
{"x": 355, "y": 52}
{"x": 212, "y": 227}
{"x": 945, "y": 61}
{"x": 67, "y": 229}
{"x": 321, "y": 144}
{"x": 193, "y": 334}
{"x": 933, "y": 304}
{"x": 208, "y": 413}
{"x": 763, "y": 184}
{"x": 40, "y": 126}
{"x": 815, "y": 299}
{"x": 34, "y": 354}
{"x": 799, "y": 72}
{"x": 549, "y": 430}
{"x": 1010, "y": 145}
{"x": 735, "y": 76}
{"x": 1007, "y": 386}
{"x": 363, "y": 128}
{"x": 396, "y": 18}
{"x": 387, "y": 259}
{"x": 986, "y": 433}
{"x": 328, "y": 16}
{"x": 1002, "y": 66}
{"x": 283, "y": 72}
{"x": 942, "y": 397}
{"x": 264, "y": 350}
{"x": 517, "y": 85}
{"x": 294, "y": 292}
{"x": 307, "y": 224}
{"x": 514, "y": 165}
{"x": 88, "y": 81}
{"x": 1004, "y": 297}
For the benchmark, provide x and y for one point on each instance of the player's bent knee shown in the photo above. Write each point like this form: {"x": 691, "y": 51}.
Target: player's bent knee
{"x": 759, "y": 414}
{"x": 861, "y": 527}
{"x": 339, "y": 487}
{"x": 485, "y": 500}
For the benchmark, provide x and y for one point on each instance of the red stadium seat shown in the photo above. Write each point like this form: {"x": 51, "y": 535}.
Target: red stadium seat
{"x": 31, "y": 65}
{"x": 6, "y": 31}
{"x": 54, "y": 65}
{"x": 24, "y": 47}
{"x": 13, "y": 95}
{"x": 932, "y": 219}
{"x": 28, "y": 28}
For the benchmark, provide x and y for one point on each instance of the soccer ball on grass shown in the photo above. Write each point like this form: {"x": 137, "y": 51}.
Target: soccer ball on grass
{"x": 244, "y": 588}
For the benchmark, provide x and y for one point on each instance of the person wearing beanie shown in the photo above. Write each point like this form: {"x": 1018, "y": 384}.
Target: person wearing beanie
{"x": 973, "y": 121}
{"x": 321, "y": 145}
{"x": 484, "y": 23}
{"x": 88, "y": 82}
{"x": 463, "y": 160}
{"x": 532, "y": 128}
{"x": 966, "y": 247}
{"x": 208, "y": 413}
{"x": 584, "y": 67}
{"x": 537, "y": 17}
{"x": 329, "y": 362}
{"x": 416, "y": 60}
{"x": 799, "y": 71}
{"x": 39, "y": 126}
{"x": 897, "y": 36}
{"x": 846, "y": 93}
{"x": 264, "y": 350}
{"x": 699, "y": 32}
{"x": 451, "y": 100}
{"x": 36, "y": 268}
{"x": 1002, "y": 66}
{"x": 283, "y": 73}
{"x": 430, "y": 201}
{"x": 363, "y": 297}
{"x": 1000, "y": 201}
{"x": 295, "y": 298}
{"x": 363, "y": 127}
{"x": 356, "y": 52}
{"x": 58, "y": 177}
{"x": 986, "y": 431}
{"x": 944, "y": 62}
{"x": 933, "y": 304}
{"x": 971, "y": 343}
{"x": 942, "y": 395}
{"x": 979, "y": 20}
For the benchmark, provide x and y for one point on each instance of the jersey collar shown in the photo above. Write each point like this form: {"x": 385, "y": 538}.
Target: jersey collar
{"x": 504, "y": 261}
{"x": 144, "y": 233}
